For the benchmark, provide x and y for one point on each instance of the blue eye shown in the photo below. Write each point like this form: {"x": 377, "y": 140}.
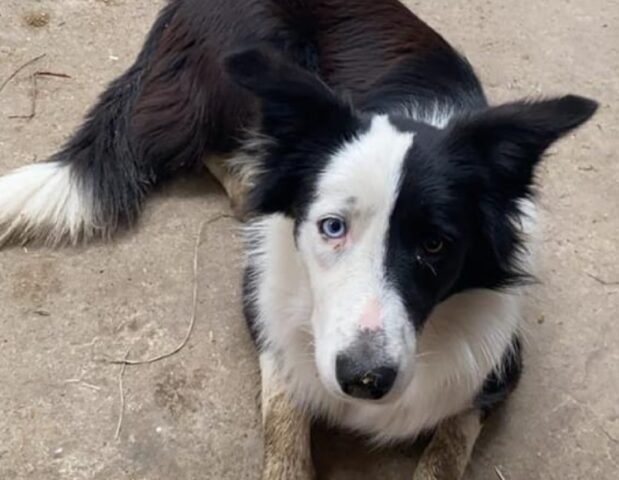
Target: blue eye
{"x": 332, "y": 227}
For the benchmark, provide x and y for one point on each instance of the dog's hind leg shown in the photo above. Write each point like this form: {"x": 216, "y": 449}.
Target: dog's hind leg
{"x": 449, "y": 451}
{"x": 287, "y": 451}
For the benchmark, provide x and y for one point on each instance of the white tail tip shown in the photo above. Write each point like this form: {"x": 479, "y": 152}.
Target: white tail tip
{"x": 44, "y": 203}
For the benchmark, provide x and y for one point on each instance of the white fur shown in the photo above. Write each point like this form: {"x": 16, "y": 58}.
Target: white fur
{"x": 437, "y": 114}
{"x": 360, "y": 185}
{"x": 297, "y": 287}
{"x": 43, "y": 202}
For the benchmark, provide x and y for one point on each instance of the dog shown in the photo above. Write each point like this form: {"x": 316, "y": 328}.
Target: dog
{"x": 391, "y": 208}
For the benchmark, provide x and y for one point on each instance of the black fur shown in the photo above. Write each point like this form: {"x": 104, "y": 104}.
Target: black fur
{"x": 462, "y": 185}
{"x": 502, "y": 381}
{"x": 104, "y": 153}
{"x": 428, "y": 207}
{"x": 305, "y": 121}
{"x": 437, "y": 78}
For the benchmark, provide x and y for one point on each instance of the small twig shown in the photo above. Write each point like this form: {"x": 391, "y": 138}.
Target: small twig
{"x": 81, "y": 382}
{"x": 16, "y": 72}
{"x": 499, "y": 474}
{"x": 126, "y": 361}
{"x": 194, "y": 308}
{"x": 43, "y": 73}
{"x": 35, "y": 93}
{"x": 33, "y": 101}
{"x": 121, "y": 391}
{"x": 602, "y": 281}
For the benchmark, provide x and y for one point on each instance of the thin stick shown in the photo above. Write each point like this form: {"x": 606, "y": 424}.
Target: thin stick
{"x": 601, "y": 281}
{"x": 43, "y": 73}
{"x": 33, "y": 101}
{"x": 194, "y": 307}
{"x": 79, "y": 381}
{"x": 121, "y": 390}
{"x": 499, "y": 474}
{"x": 16, "y": 72}
{"x": 126, "y": 361}
{"x": 35, "y": 93}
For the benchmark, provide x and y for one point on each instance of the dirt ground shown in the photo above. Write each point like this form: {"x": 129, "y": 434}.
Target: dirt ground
{"x": 194, "y": 416}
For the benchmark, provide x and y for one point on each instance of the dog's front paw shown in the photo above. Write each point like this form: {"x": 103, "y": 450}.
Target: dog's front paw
{"x": 289, "y": 469}
{"x": 436, "y": 468}
{"x": 449, "y": 451}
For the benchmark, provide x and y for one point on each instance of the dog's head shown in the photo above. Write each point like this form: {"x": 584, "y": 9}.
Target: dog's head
{"x": 392, "y": 216}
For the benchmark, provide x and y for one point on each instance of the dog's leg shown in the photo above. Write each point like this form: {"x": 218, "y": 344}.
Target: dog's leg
{"x": 449, "y": 451}
{"x": 235, "y": 185}
{"x": 287, "y": 451}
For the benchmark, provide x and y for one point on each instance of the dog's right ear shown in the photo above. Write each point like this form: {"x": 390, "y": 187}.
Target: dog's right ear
{"x": 295, "y": 102}
{"x": 304, "y": 120}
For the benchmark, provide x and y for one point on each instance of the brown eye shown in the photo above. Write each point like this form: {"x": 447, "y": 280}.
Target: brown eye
{"x": 434, "y": 246}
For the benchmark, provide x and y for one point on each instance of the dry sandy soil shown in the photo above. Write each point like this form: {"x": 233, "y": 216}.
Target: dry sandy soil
{"x": 194, "y": 416}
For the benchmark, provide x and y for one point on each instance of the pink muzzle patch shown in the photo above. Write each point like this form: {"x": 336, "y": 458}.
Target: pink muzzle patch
{"x": 371, "y": 318}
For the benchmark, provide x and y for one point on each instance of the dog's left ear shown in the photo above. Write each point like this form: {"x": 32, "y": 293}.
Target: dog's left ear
{"x": 505, "y": 143}
{"x": 302, "y": 116}
{"x": 496, "y": 151}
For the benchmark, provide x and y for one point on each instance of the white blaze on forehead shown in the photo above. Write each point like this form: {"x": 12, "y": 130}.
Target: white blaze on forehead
{"x": 361, "y": 183}
{"x": 366, "y": 170}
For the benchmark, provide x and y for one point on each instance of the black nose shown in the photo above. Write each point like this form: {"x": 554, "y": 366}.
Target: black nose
{"x": 364, "y": 381}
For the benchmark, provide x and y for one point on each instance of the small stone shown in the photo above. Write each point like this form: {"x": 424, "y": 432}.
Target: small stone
{"x": 37, "y": 19}
{"x": 541, "y": 319}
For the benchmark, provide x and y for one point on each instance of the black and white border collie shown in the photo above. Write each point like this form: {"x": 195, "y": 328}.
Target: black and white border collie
{"x": 392, "y": 207}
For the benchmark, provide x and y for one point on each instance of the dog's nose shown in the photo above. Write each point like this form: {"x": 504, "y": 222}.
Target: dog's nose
{"x": 360, "y": 379}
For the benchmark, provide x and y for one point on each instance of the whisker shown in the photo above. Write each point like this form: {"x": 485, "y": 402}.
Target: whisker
{"x": 427, "y": 264}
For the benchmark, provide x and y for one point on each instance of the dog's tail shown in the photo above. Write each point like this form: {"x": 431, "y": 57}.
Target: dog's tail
{"x": 92, "y": 185}
{"x": 143, "y": 128}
